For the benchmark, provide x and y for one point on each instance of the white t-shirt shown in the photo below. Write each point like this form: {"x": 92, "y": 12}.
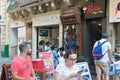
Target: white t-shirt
{"x": 61, "y": 60}
{"x": 105, "y": 47}
{"x": 117, "y": 65}
{"x": 64, "y": 71}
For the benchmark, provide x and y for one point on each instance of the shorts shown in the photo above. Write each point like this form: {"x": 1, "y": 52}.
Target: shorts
{"x": 117, "y": 72}
{"x": 102, "y": 67}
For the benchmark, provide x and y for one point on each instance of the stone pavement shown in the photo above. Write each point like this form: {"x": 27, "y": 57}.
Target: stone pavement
{"x": 4, "y": 61}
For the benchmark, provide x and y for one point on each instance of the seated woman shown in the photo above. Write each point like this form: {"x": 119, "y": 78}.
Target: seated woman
{"x": 68, "y": 71}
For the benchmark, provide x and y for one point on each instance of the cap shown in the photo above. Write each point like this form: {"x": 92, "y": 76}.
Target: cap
{"x": 105, "y": 35}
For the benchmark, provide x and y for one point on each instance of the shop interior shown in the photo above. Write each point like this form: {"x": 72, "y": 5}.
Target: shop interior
{"x": 71, "y": 34}
{"x": 49, "y": 33}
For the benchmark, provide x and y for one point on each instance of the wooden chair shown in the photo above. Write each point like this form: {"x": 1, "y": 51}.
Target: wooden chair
{"x": 40, "y": 74}
{"x": 6, "y": 73}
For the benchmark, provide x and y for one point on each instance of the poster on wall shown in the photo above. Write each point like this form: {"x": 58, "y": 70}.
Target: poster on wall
{"x": 21, "y": 35}
{"x": 84, "y": 68}
{"x": 48, "y": 61}
{"x": 114, "y": 11}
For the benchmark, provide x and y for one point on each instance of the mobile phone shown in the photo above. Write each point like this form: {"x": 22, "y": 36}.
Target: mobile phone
{"x": 79, "y": 72}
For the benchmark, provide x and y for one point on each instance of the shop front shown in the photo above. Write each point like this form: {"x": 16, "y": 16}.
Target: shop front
{"x": 47, "y": 27}
{"x": 85, "y": 25}
{"x": 72, "y": 29}
{"x": 114, "y": 22}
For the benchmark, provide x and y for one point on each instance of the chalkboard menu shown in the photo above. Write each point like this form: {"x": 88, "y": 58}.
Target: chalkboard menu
{"x": 40, "y": 74}
{"x": 6, "y": 73}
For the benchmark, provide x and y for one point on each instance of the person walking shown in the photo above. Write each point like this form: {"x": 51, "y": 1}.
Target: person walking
{"x": 102, "y": 63}
{"x": 117, "y": 67}
{"x": 60, "y": 56}
{"x": 21, "y": 66}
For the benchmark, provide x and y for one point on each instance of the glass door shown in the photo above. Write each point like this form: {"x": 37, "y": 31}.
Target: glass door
{"x": 71, "y": 37}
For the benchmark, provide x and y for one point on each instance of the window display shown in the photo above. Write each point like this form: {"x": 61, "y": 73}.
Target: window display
{"x": 70, "y": 37}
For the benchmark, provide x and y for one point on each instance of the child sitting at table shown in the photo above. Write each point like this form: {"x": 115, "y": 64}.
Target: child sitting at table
{"x": 117, "y": 67}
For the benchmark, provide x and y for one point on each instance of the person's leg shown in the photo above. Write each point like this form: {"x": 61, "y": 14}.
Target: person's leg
{"x": 106, "y": 77}
{"x": 98, "y": 70}
{"x": 116, "y": 77}
{"x": 105, "y": 69}
{"x": 102, "y": 76}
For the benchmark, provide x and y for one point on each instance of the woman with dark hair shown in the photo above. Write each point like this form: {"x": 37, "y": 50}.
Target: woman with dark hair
{"x": 68, "y": 71}
{"x": 41, "y": 46}
{"x": 60, "y": 56}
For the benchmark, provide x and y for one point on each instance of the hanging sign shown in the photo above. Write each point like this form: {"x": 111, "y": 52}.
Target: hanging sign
{"x": 70, "y": 15}
{"x": 12, "y": 4}
{"x": 26, "y": 2}
{"x": 94, "y": 9}
{"x": 114, "y": 11}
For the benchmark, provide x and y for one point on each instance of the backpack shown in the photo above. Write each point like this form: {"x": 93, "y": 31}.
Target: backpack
{"x": 97, "y": 52}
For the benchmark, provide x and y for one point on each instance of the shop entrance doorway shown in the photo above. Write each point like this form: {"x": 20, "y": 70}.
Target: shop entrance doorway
{"x": 94, "y": 28}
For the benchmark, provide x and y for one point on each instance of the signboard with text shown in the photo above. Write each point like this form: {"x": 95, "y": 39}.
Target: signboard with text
{"x": 12, "y": 4}
{"x": 48, "y": 61}
{"x": 114, "y": 11}
{"x": 26, "y": 2}
{"x": 95, "y": 9}
{"x": 70, "y": 15}
{"x": 85, "y": 72}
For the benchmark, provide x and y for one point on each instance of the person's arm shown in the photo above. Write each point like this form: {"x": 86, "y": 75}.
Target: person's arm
{"x": 110, "y": 53}
{"x": 16, "y": 77}
{"x": 33, "y": 74}
{"x": 57, "y": 76}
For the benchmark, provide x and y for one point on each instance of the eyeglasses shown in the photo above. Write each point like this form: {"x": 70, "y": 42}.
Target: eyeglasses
{"x": 72, "y": 59}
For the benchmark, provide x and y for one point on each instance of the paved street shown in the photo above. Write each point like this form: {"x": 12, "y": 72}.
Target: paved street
{"x": 4, "y": 61}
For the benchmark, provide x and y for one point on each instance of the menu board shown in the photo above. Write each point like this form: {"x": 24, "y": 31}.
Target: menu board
{"x": 83, "y": 67}
{"x": 48, "y": 61}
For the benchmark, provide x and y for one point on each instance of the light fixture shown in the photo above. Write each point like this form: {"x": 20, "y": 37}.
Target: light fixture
{"x": 84, "y": 9}
{"x": 53, "y": 5}
{"x": 47, "y": 4}
{"x": 42, "y": 8}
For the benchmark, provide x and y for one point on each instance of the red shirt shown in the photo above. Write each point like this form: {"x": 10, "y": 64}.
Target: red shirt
{"x": 22, "y": 66}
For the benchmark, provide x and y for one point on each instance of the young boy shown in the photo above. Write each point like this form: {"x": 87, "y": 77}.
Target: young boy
{"x": 117, "y": 67}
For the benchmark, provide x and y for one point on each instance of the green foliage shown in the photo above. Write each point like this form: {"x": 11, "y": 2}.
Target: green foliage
{"x": 81, "y": 59}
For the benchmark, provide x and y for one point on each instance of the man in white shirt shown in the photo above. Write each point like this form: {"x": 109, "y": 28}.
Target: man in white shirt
{"x": 102, "y": 65}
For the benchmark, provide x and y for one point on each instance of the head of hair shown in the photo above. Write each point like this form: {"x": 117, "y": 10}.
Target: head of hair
{"x": 52, "y": 47}
{"x": 68, "y": 53}
{"x": 47, "y": 43}
{"x": 24, "y": 45}
{"x": 117, "y": 57}
{"x": 41, "y": 42}
{"x": 61, "y": 48}
{"x": 104, "y": 35}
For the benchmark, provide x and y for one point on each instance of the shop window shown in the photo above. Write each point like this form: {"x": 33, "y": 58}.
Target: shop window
{"x": 71, "y": 37}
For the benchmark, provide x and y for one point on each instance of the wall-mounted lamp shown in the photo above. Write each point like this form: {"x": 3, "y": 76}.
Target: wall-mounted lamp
{"x": 47, "y": 4}
{"x": 42, "y": 8}
{"x": 55, "y": 5}
{"x": 84, "y": 9}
